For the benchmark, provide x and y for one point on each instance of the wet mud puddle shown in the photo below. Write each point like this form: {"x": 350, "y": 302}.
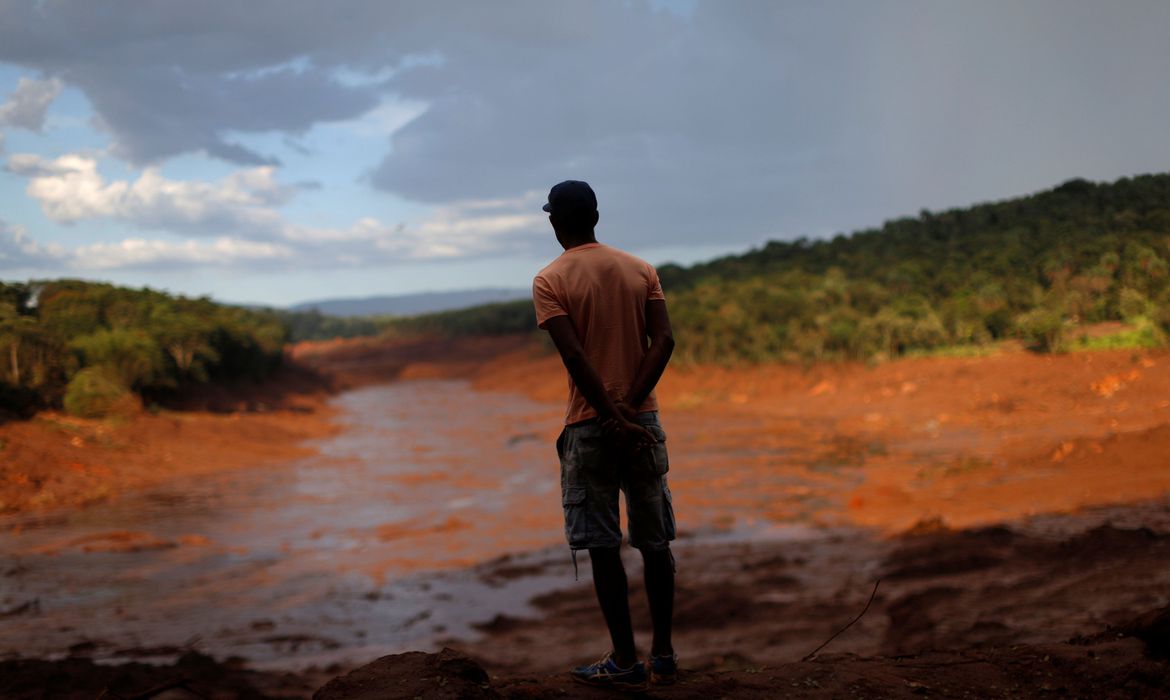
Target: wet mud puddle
{"x": 436, "y": 509}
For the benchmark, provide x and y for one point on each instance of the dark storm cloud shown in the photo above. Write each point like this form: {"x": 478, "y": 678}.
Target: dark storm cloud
{"x": 752, "y": 120}
{"x": 172, "y": 77}
{"x": 739, "y": 121}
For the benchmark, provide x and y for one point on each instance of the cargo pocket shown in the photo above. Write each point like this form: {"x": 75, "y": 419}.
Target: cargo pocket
{"x": 668, "y": 526}
{"x": 660, "y": 462}
{"x": 576, "y": 517}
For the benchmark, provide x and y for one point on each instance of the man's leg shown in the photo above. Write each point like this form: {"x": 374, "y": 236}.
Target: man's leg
{"x": 658, "y": 568}
{"x": 609, "y": 580}
{"x": 651, "y": 515}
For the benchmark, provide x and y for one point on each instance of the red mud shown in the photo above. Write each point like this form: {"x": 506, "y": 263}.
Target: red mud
{"x": 992, "y": 594}
{"x": 55, "y": 460}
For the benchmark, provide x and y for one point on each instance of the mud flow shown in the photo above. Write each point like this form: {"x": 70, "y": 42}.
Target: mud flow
{"x": 301, "y": 561}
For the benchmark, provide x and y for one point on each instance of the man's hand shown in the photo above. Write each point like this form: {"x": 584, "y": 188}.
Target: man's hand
{"x": 626, "y": 410}
{"x": 626, "y": 436}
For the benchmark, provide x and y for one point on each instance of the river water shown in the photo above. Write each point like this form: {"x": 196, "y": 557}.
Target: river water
{"x": 434, "y": 509}
{"x": 360, "y": 550}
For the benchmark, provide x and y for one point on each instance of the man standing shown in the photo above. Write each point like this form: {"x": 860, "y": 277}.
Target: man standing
{"x": 606, "y": 313}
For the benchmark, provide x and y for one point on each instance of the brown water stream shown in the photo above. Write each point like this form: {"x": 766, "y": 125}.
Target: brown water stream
{"x": 334, "y": 556}
{"x": 368, "y": 548}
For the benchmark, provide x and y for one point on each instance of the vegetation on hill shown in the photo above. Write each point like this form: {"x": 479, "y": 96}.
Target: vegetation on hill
{"x": 1035, "y": 268}
{"x": 312, "y": 324}
{"x": 96, "y": 348}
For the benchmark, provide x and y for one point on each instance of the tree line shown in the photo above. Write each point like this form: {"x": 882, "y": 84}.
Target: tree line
{"x": 1036, "y": 268}
{"x": 95, "y": 348}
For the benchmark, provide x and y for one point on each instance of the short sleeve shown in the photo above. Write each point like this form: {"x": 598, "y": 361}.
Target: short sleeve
{"x": 545, "y": 300}
{"x": 654, "y": 286}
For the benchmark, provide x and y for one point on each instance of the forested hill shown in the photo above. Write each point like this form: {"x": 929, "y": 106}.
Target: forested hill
{"x": 1050, "y": 229}
{"x": 97, "y": 349}
{"x": 1036, "y": 268}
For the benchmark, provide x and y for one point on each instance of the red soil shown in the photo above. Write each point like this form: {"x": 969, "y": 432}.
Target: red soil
{"x": 960, "y": 441}
{"x": 55, "y": 460}
{"x": 943, "y": 447}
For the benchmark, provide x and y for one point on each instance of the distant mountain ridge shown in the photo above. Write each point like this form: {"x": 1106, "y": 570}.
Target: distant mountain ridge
{"x": 411, "y": 304}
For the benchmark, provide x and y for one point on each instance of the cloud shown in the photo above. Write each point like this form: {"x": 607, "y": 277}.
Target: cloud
{"x": 28, "y": 104}
{"x": 19, "y": 251}
{"x": 734, "y": 122}
{"x": 460, "y": 230}
{"x": 181, "y": 78}
{"x": 366, "y": 243}
{"x": 137, "y": 253}
{"x": 70, "y": 189}
{"x": 237, "y": 223}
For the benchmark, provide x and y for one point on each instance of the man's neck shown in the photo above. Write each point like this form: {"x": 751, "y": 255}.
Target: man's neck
{"x": 580, "y": 241}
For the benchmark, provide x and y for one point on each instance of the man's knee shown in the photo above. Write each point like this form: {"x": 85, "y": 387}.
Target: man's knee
{"x": 658, "y": 558}
{"x": 661, "y": 550}
{"x": 605, "y": 554}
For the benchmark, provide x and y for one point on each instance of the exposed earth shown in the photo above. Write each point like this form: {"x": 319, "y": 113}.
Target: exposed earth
{"x": 1014, "y": 507}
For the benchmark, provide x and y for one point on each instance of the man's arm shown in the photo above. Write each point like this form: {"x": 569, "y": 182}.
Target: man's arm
{"x": 588, "y": 381}
{"x": 657, "y": 355}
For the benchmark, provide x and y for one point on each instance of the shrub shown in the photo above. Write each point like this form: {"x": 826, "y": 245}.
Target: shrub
{"x": 1042, "y": 328}
{"x": 95, "y": 393}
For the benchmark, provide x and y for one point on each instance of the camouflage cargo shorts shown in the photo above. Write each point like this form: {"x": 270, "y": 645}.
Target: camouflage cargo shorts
{"x": 591, "y": 476}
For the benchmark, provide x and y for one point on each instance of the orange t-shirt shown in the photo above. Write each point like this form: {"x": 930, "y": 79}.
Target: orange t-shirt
{"x": 604, "y": 292}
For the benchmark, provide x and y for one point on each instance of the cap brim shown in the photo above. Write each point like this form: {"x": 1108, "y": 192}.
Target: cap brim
{"x": 546, "y": 208}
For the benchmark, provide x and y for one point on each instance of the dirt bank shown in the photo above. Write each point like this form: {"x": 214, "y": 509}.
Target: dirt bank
{"x": 965, "y": 440}
{"x": 1053, "y": 606}
{"x": 59, "y": 461}
{"x": 1043, "y": 580}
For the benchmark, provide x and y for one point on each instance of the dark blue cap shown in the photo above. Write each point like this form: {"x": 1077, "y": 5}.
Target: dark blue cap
{"x": 571, "y": 196}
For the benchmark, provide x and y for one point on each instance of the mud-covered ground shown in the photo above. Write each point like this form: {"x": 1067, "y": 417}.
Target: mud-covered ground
{"x": 1013, "y": 507}
{"x": 1067, "y": 606}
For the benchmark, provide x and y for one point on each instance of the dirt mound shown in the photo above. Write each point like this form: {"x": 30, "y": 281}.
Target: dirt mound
{"x": 1106, "y": 666}
{"x": 945, "y": 552}
{"x": 1001, "y": 586}
{"x": 1107, "y": 541}
{"x": 447, "y": 674}
{"x": 1153, "y": 628}
{"x": 192, "y": 675}
{"x": 1102, "y": 669}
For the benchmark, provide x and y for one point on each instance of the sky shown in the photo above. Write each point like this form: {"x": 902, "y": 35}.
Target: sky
{"x": 278, "y": 151}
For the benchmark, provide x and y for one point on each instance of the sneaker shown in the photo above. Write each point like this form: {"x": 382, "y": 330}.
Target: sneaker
{"x": 663, "y": 669}
{"x": 607, "y": 674}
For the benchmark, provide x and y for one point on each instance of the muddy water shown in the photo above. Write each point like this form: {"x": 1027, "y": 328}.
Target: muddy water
{"x": 303, "y": 561}
{"x": 368, "y": 548}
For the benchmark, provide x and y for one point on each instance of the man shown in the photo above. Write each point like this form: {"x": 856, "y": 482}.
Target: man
{"x": 606, "y": 313}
